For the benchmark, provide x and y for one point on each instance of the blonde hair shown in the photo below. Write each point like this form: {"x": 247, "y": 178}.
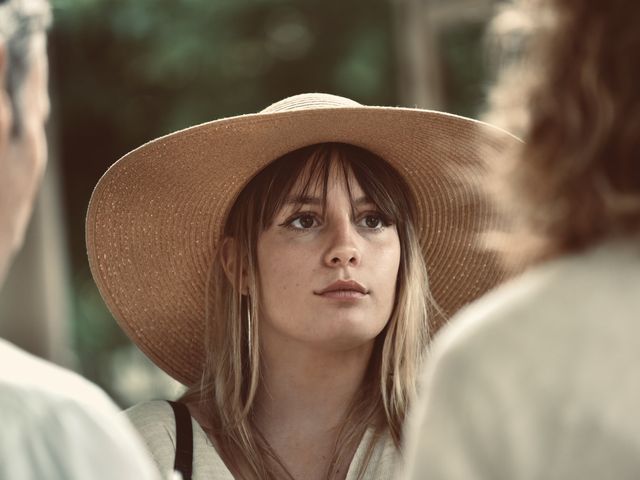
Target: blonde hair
{"x": 572, "y": 94}
{"x": 232, "y": 372}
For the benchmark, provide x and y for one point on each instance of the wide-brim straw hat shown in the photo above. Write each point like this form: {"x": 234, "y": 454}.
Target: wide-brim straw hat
{"x": 156, "y": 217}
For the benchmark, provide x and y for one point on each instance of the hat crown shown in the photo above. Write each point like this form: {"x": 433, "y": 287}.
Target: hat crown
{"x": 310, "y": 101}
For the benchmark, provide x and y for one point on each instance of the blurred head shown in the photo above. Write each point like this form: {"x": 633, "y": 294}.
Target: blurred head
{"x": 574, "y": 99}
{"x": 24, "y": 107}
{"x": 319, "y": 214}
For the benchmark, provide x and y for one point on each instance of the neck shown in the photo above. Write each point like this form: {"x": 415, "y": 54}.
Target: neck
{"x": 306, "y": 387}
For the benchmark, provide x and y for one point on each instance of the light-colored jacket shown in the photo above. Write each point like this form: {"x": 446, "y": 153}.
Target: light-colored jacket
{"x": 538, "y": 380}
{"x": 55, "y": 425}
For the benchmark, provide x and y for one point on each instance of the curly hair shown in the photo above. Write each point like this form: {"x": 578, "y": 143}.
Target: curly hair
{"x": 574, "y": 97}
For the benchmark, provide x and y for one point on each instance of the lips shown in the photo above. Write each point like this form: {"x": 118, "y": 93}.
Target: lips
{"x": 348, "y": 287}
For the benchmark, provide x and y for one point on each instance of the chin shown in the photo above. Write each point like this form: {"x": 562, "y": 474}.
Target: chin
{"x": 351, "y": 338}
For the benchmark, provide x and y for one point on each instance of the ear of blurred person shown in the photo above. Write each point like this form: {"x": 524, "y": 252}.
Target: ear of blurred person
{"x": 539, "y": 379}
{"x": 55, "y": 424}
{"x": 23, "y": 150}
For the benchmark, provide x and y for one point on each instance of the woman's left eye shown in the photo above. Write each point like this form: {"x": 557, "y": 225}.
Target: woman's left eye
{"x": 371, "y": 220}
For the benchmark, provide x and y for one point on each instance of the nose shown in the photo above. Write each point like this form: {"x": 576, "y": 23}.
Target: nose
{"x": 343, "y": 250}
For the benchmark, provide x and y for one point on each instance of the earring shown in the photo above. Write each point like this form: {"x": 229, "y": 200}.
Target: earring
{"x": 249, "y": 325}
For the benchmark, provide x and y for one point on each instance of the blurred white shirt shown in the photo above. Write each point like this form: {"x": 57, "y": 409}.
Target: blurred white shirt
{"x": 55, "y": 425}
{"x": 539, "y": 380}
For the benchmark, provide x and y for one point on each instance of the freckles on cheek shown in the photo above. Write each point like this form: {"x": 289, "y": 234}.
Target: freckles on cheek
{"x": 388, "y": 254}
{"x": 278, "y": 272}
{"x": 388, "y": 264}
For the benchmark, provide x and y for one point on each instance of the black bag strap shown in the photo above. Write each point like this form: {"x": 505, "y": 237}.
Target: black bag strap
{"x": 184, "y": 440}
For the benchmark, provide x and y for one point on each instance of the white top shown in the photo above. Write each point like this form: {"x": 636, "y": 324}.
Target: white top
{"x": 56, "y": 425}
{"x": 156, "y": 423}
{"x": 538, "y": 380}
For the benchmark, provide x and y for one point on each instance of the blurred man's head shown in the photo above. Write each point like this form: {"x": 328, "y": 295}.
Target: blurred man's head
{"x": 24, "y": 106}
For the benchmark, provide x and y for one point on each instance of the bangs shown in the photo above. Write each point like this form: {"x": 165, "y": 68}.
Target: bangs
{"x": 305, "y": 173}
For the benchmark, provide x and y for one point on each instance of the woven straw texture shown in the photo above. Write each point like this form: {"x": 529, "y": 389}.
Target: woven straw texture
{"x": 155, "y": 217}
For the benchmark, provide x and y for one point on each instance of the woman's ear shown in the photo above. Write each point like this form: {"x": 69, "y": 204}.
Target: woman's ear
{"x": 231, "y": 263}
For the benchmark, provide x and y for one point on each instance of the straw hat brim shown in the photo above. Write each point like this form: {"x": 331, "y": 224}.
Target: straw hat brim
{"x": 155, "y": 217}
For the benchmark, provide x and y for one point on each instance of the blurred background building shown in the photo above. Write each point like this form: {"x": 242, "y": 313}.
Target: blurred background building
{"x": 126, "y": 71}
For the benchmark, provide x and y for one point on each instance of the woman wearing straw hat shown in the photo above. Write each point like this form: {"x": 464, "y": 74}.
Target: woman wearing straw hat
{"x": 277, "y": 263}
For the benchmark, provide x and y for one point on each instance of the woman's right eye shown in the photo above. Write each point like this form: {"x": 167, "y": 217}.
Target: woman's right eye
{"x": 302, "y": 222}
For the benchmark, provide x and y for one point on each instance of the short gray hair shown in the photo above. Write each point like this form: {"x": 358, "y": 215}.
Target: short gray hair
{"x": 20, "y": 20}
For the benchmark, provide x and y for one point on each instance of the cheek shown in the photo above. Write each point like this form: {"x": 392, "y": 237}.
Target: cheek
{"x": 282, "y": 270}
{"x": 387, "y": 263}
{"x": 386, "y": 280}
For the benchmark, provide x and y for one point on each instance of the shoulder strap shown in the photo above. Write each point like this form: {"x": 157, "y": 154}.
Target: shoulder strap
{"x": 184, "y": 440}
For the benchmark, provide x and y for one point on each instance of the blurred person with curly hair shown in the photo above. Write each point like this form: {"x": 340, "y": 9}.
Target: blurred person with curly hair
{"x": 538, "y": 380}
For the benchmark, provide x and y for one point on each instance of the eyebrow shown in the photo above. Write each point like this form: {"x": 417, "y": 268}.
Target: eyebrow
{"x": 308, "y": 200}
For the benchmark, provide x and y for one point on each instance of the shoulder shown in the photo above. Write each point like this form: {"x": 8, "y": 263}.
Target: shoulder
{"x": 383, "y": 460}
{"x": 154, "y": 416}
{"x": 554, "y": 302}
{"x": 48, "y": 412}
{"x": 37, "y": 389}
{"x": 544, "y": 356}
{"x": 38, "y": 379}
{"x": 155, "y": 422}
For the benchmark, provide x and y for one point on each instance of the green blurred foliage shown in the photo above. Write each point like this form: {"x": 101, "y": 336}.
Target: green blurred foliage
{"x": 464, "y": 68}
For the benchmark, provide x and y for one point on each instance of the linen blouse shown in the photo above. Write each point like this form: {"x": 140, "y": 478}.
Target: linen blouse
{"x": 155, "y": 422}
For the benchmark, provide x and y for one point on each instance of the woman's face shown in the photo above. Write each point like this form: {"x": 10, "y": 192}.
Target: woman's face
{"x": 327, "y": 280}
